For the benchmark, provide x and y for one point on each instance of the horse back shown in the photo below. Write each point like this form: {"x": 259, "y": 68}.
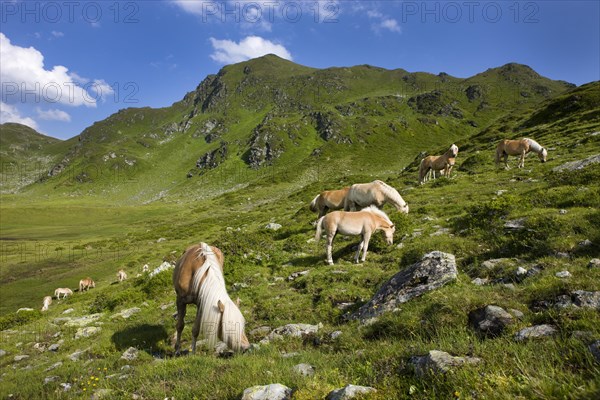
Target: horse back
{"x": 186, "y": 267}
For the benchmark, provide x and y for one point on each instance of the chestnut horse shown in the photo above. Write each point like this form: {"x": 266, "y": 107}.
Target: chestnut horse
{"x": 86, "y": 284}
{"x": 329, "y": 200}
{"x": 198, "y": 279}
{"x": 352, "y": 223}
{"x": 375, "y": 193}
{"x": 430, "y": 164}
{"x": 520, "y": 148}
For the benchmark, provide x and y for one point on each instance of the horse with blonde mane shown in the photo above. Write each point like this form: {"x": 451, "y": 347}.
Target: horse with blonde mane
{"x": 329, "y": 200}
{"x": 430, "y": 164}
{"x": 198, "y": 279}
{"x": 64, "y": 291}
{"x": 86, "y": 284}
{"x": 46, "y": 303}
{"x": 353, "y": 223}
{"x": 121, "y": 275}
{"x": 519, "y": 148}
{"x": 375, "y": 193}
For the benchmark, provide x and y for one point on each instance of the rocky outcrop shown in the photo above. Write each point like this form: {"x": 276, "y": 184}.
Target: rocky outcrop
{"x": 439, "y": 362}
{"x": 329, "y": 127}
{"x": 350, "y": 392}
{"x": 490, "y": 320}
{"x": 213, "y": 159}
{"x": 576, "y": 165}
{"x": 293, "y": 330}
{"x": 275, "y": 391}
{"x": 433, "y": 271}
{"x": 534, "y": 332}
{"x": 474, "y": 92}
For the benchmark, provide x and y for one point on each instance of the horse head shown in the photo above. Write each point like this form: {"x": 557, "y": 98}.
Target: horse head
{"x": 453, "y": 150}
{"x": 543, "y": 155}
{"x": 389, "y": 233}
{"x": 231, "y": 329}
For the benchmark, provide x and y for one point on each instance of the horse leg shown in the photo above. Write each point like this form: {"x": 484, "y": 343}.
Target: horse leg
{"x": 522, "y": 160}
{"x": 181, "y": 309}
{"x": 329, "y": 248}
{"x": 506, "y": 161}
{"x": 360, "y": 247}
{"x": 196, "y": 329}
{"x": 367, "y": 237}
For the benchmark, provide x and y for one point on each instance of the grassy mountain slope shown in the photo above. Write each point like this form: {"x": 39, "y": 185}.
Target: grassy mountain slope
{"x": 464, "y": 215}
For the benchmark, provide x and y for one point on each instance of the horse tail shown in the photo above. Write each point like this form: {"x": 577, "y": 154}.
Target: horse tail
{"x": 319, "y": 229}
{"x": 313, "y": 204}
{"x": 80, "y": 286}
{"x": 421, "y": 170}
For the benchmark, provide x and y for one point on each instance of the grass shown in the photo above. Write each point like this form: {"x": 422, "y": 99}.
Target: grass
{"x": 106, "y": 227}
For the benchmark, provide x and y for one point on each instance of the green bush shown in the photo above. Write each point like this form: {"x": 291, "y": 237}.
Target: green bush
{"x": 16, "y": 319}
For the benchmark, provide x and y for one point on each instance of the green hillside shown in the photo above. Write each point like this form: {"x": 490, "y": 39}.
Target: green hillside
{"x": 367, "y": 126}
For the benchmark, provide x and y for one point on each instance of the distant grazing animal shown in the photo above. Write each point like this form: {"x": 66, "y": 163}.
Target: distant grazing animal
{"x": 329, "y": 200}
{"x": 64, "y": 291}
{"x": 363, "y": 223}
{"x": 198, "y": 279}
{"x": 122, "y": 275}
{"x": 430, "y": 164}
{"x": 519, "y": 148}
{"x": 375, "y": 193}
{"x": 86, "y": 284}
{"x": 145, "y": 268}
{"x": 47, "y": 301}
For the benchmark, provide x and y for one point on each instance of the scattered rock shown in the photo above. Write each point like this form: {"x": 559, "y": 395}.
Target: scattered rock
{"x": 594, "y": 263}
{"x": 261, "y": 331}
{"x": 50, "y": 379}
{"x": 585, "y": 243}
{"x": 3, "y": 353}
{"x": 294, "y": 330}
{"x": 273, "y": 226}
{"x": 563, "y": 274}
{"x": 562, "y": 211}
{"x": 349, "y": 392}
{"x": 304, "y": 369}
{"x": 130, "y": 354}
{"x": 68, "y": 311}
{"x": 433, "y": 271}
{"x": 493, "y": 263}
{"x": 160, "y": 240}
{"x": 296, "y": 275}
{"x": 490, "y": 320}
{"x": 54, "y": 347}
{"x": 222, "y": 351}
{"x": 24, "y": 309}
{"x": 439, "y": 362}
{"x": 21, "y": 357}
{"x": 534, "y": 332}
{"x": 54, "y": 366}
{"x": 127, "y": 313}
{"x": 582, "y": 298}
{"x": 480, "y": 281}
{"x": 238, "y": 285}
{"x": 39, "y": 347}
{"x": 290, "y": 355}
{"x": 103, "y": 394}
{"x": 87, "y": 332}
{"x": 516, "y": 313}
{"x": 562, "y": 254}
{"x": 165, "y": 306}
{"x": 66, "y": 386}
{"x": 335, "y": 335}
{"x": 515, "y": 224}
{"x": 275, "y": 391}
{"x": 82, "y": 321}
{"x": 595, "y": 349}
{"x": 163, "y": 267}
{"x": 576, "y": 165}
{"x": 75, "y": 356}
{"x": 521, "y": 272}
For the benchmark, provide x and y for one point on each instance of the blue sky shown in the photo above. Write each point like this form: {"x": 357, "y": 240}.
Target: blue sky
{"x": 65, "y": 65}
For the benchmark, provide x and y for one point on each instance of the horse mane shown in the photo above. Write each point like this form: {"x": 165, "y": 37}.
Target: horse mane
{"x": 534, "y": 146}
{"x": 390, "y": 193}
{"x": 374, "y": 210}
{"x": 208, "y": 284}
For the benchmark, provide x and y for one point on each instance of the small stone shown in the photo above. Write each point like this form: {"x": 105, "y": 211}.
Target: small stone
{"x": 222, "y": 351}
{"x": 128, "y": 312}
{"x": 50, "y": 379}
{"x": 75, "y": 356}
{"x": 54, "y": 366}
{"x": 273, "y": 226}
{"x": 562, "y": 212}
{"x": 560, "y": 254}
{"x": 480, "y": 281}
{"x": 335, "y": 335}
{"x": 595, "y": 349}
{"x": 54, "y": 347}
{"x": 439, "y": 362}
{"x": 160, "y": 240}
{"x": 87, "y": 332}
{"x": 490, "y": 320}
{"x": 304, "y": 369}
{"x": 296, "y": 275}
{"x": 275, "y": 391}
{"x": 521, "y": 271}
{"x": 261, "y": 331}
{"x": 21, "y": 357}
{"x": 534, "y": 332}
{"x": 238, "y": 285}
{"x": 68, "y": 311}
{"x": 563, "y": 274}
{"x": 516, "y": 313}
{"x": 349, "y": 392}
{"x": 103, "y": 394}
{"x": 585, "y": 243}
{"x": 594, "y": 263}
{"x": 66, "y": 386}
{"x": 130, "y": 354}
{"x": 3, "y": 353}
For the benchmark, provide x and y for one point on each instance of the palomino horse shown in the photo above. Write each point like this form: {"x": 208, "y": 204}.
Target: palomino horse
{"x": 198, "y": 278}
{"x": 122, "y": 275}
{"x": 47, "y": 301}
{"x": 64, "y": 291}
{"x": 86, "y": 284}
{"x": 364, "y": 223}
{"x": 375, "y": 193}
{"x": 430, "y": 164}
{"x": 519, "y": 148}
{"x": 329, "y": 200}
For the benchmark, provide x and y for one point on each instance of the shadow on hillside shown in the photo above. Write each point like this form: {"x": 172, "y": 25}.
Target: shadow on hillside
{"x": 145, "y": 337}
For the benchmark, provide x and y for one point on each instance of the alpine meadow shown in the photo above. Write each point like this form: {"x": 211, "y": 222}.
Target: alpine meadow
{"x": 490, "y": 290}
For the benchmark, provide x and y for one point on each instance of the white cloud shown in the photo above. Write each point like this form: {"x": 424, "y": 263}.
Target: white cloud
{"x": 57, "y": 34}
{"x": 25, "y": 79}
{"x": 228, "y": 52}
{"x": 102, "y": 89}
{"x": 53, "y": 115}
{"x": 391, "y": 24}
{"x": 382, "y": 21}
{"x": 9, "y": 113}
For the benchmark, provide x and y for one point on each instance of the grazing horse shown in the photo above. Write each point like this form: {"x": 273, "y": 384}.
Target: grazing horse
{"x": 64, "y": 291}
{"x": 198, "y": 279}
{"x": 122, "y": 275}
{"x": 363, "y": 223}
{"x": 375, "y": 193}
{"x": 430, "y": 164}
{"x": 520, "y": 148}
{"x": 329, "y": 200}
{"x": 86, "y": 284}
{"x": 47, "y": 301}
